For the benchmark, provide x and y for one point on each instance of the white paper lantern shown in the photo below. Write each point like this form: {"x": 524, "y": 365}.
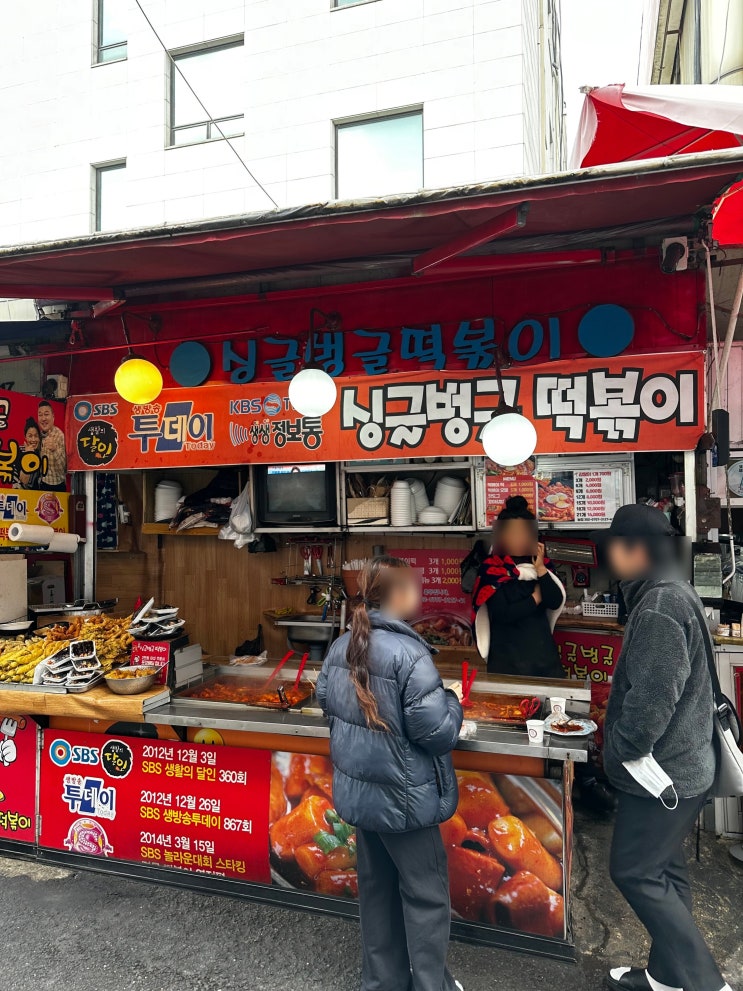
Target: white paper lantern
{"x": 312, "y": 392}
{"x": 509, "y": 439}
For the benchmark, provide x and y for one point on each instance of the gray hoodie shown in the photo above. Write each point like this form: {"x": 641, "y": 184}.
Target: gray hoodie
{"x": 661, "y": 694}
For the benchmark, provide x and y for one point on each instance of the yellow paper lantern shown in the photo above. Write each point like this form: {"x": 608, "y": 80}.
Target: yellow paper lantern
{"x": 138, "y": 381}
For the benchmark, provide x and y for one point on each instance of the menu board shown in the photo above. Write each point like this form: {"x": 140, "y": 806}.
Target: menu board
{"x": 585, "y": 496}
{"x": 18, "y": 779}
{"x": 445, "y": 608}
{"x": 499, "y": 487}
{"x": 184, "y": 805}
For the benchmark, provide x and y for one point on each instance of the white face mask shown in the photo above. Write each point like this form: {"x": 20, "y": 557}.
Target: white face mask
{"x": 648, "y": 773}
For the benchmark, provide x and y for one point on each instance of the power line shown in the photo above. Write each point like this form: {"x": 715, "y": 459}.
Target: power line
{"x": 212, "y": 121}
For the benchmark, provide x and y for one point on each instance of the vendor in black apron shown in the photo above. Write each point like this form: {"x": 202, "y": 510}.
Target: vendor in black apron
{"x": 516, "y": 600}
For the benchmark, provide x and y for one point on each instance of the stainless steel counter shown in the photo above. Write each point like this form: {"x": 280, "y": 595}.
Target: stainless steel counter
{"x": 242, "y": 718}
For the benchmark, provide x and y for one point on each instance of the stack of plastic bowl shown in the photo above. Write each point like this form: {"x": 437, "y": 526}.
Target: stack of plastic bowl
{"x": 449, "y": 492}
{"x": 167, "y": 494}
{"x": 419, "y": 496}
{"x": 401, "y": 506}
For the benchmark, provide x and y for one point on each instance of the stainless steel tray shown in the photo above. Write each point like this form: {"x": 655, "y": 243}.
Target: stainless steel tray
{"x": 19, "y": 686}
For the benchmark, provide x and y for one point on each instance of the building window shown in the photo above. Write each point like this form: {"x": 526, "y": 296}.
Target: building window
{"x": 111, "y": 30}
{"x": 379, "y": 155}
{"x": 215, "y": 74}
{"x": 110, "y": 201}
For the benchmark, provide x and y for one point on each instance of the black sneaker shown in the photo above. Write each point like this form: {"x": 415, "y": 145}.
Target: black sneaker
{"x": 628, "y": 979}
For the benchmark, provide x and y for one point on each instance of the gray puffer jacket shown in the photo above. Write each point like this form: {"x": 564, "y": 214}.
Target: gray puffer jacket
{"x": 661, "y": 693}
{"x": 402, "y": 779}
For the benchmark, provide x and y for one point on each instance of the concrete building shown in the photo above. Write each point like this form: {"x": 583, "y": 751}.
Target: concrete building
{"x": 117, "y": 113}
{"x": 692, "y": 42}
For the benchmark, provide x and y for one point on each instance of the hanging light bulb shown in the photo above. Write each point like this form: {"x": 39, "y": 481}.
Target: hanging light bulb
{"x": 138, "y": 381}
{"x": 312, "y": 392}
{"x": 509, "y": 439}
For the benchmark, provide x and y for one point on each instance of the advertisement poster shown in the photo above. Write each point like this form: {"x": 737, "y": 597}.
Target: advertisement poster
{"x": 37, "y": 508}
{"x": 490, "y": 882}
{"x": 18, "y": 779}
{"x": 445, "y": 608}
{"x": 184, "y": 805}
{"x": 501, "y": 485}
{"x": 588, "y": 407}
{"x": 587, "y": 497}
{"x": 588, "y": 655}
{"x": 32, "y": 443}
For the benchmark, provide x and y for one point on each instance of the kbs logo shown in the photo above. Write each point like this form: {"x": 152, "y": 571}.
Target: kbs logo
{"x": 62, "y": 753}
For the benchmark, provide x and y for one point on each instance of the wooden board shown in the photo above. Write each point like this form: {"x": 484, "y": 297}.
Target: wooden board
{"x": 98, "y": 703}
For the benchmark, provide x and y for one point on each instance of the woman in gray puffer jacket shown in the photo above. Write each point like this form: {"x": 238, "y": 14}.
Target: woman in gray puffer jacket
{"x": 392, "y": 729}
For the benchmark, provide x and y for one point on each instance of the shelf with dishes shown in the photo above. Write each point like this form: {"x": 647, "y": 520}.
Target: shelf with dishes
{"x": 408, "y": 496}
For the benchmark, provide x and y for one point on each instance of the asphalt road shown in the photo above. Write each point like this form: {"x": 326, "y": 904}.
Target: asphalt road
{"x": 75, "y": 931}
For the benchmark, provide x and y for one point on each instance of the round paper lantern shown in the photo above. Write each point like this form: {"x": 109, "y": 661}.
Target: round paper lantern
{"x": 138, "y": 381}
{"x": 509, "y": 439}
{"x": 312, "y": 392}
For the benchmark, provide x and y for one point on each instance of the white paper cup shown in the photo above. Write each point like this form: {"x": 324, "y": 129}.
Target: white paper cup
{"x": 535, "y": 729}
{"x": 557, "y": 706}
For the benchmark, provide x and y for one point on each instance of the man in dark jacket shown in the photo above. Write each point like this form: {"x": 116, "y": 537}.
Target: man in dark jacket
{"x": 658, "y": 751}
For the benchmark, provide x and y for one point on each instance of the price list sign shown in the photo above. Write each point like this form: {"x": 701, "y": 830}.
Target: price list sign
{"x": 499, "y": 487}
{"x": 597, "y": 495}
{"x": 188, "y": 806}
{"x": 441, "y": 580}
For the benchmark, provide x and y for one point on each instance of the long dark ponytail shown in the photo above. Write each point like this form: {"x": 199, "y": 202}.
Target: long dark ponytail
{"x": 375, "y": 581}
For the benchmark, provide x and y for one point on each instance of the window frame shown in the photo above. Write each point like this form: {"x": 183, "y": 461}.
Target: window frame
{"x": 373, "y": 118}
{"x": 221, "y": 44}
{"x": 116, "y": 165}
{"x": 336, "y": 5}
{"x": 100, "y": 48}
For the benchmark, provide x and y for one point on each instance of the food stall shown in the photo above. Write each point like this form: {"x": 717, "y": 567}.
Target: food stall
{"x": 228, "y": 781}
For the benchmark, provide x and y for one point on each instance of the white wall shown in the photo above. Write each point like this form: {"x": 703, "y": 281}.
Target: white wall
{"x": 472, "y": 64}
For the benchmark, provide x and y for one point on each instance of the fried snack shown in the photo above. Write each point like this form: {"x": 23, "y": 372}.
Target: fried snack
{"x": 277, "y": 800}
{"x": 19, "y": 658}
{"x": 141, "y": 672}
{"x": 453, "y": 831}
{"x": 299, "y": 826}
{"x": 479, "y": 800}
{"x": 526, "y": 903}
{"x": 473, "y": 881}
{"x": 109, "y": 633}
{"x": 518, "y": 848}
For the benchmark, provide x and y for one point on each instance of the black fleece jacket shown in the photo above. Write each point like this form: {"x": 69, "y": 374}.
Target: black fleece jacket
{"x": 661, "y": 694}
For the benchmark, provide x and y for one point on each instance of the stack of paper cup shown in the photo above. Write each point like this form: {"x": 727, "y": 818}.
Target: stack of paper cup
{"x": 401, "y": 509}
{"x": 167, "y": 494}
{"x": 449, "y": 492}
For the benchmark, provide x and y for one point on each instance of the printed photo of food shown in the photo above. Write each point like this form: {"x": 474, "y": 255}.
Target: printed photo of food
{"x": 504, "y": 844}
{"x": 556, "y": 498}
{"x": 444, "y": 630}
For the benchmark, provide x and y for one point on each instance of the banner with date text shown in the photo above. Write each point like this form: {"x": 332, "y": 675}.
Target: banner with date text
{"x": 642, "y": 403}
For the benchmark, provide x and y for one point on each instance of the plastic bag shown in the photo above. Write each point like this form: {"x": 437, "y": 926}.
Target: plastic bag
{"x": 240, "y": 527}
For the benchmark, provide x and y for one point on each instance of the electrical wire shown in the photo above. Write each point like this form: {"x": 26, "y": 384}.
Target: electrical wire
{"x": 195, "y": 95}
{"x": 724, "y": 44}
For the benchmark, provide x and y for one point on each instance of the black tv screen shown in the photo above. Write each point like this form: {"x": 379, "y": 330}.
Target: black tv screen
{"x": 292, "y": 495}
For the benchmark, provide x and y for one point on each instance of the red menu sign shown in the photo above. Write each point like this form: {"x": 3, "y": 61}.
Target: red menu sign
{"x": 184, "y": 805}
{"x": 441, "y": 579}
{"x": 18, "y": 779}
{"x": 499, "y": 487}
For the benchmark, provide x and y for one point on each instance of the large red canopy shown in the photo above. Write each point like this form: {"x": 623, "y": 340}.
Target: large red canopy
{"x": 625, "y": 124}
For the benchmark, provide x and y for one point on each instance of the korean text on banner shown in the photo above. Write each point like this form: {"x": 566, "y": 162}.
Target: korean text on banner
{"x": 17, "y": 778}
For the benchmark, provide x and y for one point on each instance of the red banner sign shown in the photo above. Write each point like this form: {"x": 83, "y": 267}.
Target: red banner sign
{"x": 595, "y": 406}
{"x": 184, "y": 805}
{"x": 18, "y": 779}
{"x": 32, "y": 444}
{"x": 588, "y": 655}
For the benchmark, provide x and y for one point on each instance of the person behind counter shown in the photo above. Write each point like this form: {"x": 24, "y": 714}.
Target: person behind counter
{"x": 392, "y": 730}
{"x": 517, "y": 598}
{"x": 658, "y": 729}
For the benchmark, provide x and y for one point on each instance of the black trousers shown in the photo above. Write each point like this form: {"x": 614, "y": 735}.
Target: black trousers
{"x": 405, "y": 911}
{"x": 648, "y": 866}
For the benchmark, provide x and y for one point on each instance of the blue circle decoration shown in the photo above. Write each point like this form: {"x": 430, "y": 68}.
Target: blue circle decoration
{"x": 190, "y": 364}
{"x": 272, "y": 405}
{"x": 606, "y": 330}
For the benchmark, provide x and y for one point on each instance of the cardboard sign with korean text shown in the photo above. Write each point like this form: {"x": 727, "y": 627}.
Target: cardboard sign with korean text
{"x": 596, "y": 406}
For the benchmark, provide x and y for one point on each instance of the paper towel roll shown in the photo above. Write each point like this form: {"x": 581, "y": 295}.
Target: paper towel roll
{"x": 26, "y": 533}
{"x": 63, "y": 543}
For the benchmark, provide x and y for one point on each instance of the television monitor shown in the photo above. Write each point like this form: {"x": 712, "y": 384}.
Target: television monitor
{"x": 295, "y": 495}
